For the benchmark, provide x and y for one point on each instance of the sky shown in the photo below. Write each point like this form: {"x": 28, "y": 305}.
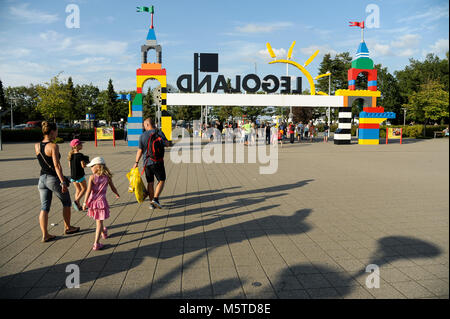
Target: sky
{"x": 36, "y": 44}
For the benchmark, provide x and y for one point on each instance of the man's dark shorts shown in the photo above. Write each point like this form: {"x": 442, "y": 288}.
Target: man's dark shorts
{"x": 157, "y": 170}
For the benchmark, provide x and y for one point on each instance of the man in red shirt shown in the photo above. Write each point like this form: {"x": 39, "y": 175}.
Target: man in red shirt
{"x": 291, "y": 132}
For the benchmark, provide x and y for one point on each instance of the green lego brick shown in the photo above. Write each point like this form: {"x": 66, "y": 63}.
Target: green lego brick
{"x": 363, "y": 63}
{"x": 137, "y": 99}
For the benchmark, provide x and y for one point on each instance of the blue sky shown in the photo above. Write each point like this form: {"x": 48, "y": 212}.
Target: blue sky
{"x": 35, "y": 43}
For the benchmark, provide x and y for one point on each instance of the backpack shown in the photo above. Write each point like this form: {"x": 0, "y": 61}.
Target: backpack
{"x": 155, "y": 148}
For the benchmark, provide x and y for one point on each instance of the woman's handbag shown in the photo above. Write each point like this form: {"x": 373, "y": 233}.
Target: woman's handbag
{"x": 66, "y": 179}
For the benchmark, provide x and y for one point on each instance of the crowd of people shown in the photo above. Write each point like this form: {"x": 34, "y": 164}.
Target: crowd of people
{"x": 249, "y": 131}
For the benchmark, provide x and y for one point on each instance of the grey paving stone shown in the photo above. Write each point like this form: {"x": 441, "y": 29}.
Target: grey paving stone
{"x": 245, "y": 228}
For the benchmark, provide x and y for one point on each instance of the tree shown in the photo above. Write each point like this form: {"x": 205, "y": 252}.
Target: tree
{"x": 338, "y": 67}
{"x": 88, "y": 100}
{"x": 149, "y": 105}
{"x": 53, "y": 99}
{"x": 2, "y": 97}
{"x": 72, "y": 112}
{"x": 429, "y": 103}
{"x": 110, "y": 109}
{"x": 25, "y": 103}
{"x": 418, "y": 73}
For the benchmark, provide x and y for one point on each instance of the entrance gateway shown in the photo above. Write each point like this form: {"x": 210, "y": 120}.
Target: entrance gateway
{"x": 370, "y": 116}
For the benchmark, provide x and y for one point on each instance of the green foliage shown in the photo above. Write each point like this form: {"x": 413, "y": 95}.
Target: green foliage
{"x": 2, "y": 97}
{"x": 338, "y": 66}
{"x": 87, "y": 100}
{"x": 429, "y": 103}
{"x": 25, "y": 104}
{"x": 53, "y": 99}
{"x": 35, "y": 135}
{"x": 110, "y": 109}
{"x": 72, "y": 112}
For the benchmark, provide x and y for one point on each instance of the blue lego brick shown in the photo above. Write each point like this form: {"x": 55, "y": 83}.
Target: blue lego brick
{"x": 135, "y": 120}
{"x": 352, "y": 82}
{"x": 133, "y": 143}
{"x": 134, "y": 131}
{"x": 372, "y": 83}
{"x": 137, "y": 108}
{"x": 384, "y": 115}
{"x": 370, "y": 134}
{"x": 151, "y": 34}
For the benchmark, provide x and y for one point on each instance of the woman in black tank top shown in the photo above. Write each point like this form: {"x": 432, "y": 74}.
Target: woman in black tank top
{"x": 51, "y": 181}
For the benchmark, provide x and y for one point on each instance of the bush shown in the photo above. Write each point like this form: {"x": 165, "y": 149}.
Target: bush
{"x": 414, "y": 131}
{"x": 66, "y": 134}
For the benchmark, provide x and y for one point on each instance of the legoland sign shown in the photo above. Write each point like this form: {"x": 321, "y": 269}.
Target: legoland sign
{"x": 250, "y": 83}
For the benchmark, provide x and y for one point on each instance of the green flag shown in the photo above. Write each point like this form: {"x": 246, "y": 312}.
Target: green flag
{"x": 145, "y": 9}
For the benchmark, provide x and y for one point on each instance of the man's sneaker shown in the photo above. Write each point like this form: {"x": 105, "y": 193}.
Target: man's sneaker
{"x": 152, "y": 206}
{"x": 156, "y": 203}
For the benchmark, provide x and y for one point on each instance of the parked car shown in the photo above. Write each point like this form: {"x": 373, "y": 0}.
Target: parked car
{"x": 6, "y": 127}
{"x": 33, "y": 125}
{"x": 20, "y": 126}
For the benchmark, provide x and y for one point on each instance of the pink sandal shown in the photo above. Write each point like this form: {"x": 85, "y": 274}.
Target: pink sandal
{"x": 104, "y": 233}
{"x": 97, "y": 246}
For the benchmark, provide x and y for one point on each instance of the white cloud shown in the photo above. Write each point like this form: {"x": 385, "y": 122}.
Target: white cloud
{"x": 381, "y": 49}
{"x": 23, "y": 14}
{"x": 279, "y": 53}
{"x": 440, "y": 46}
{"x": 322, "y": 50}
{"x": 432, "y": 14}
{"x": 263, "y": 28}
{"x": 403, "y": 46}
{"x": 109, "y": 48}
{"x": 406, "y": 41}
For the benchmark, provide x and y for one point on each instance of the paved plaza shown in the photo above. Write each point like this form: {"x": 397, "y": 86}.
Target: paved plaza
{"x": 308, "y": 231}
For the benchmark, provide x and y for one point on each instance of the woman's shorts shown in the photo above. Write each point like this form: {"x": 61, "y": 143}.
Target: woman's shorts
{"x": 49, "y": 184}
{"x": 79, "y": 180}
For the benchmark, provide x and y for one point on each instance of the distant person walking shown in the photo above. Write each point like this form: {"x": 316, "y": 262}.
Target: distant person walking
{"x": 95, "y": 199}
{"x": 151, "y": 147}
{"x": 291, "y": 132}
{"x": 268, "y": 133}
{"x": 325, "y": 133}
{"x": 52, "y": 181}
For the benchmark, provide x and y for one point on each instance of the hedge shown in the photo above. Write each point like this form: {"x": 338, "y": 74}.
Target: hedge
{"x": 35, "y": 135}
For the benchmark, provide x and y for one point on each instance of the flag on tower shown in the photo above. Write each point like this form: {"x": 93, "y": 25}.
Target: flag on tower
{"x": 357, "y": 24}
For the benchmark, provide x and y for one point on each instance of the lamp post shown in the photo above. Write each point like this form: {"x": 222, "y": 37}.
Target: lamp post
{"x": 404, "y": 116}
{"x": 10, "y": 100}
{"x": 328, "y": 73}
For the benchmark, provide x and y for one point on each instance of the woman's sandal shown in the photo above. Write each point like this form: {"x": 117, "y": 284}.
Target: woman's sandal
{"x": 97, "y": 246}
{"x": 50, "y": 238}
{"x": 104, "y": 233}
{"x": 72, "y": 230}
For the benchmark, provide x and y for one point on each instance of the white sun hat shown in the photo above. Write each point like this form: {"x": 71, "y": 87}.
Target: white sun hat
{"x": 95, "y": 161}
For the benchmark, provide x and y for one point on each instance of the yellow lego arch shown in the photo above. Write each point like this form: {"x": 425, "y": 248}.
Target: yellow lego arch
{"x": 303, "y": 70}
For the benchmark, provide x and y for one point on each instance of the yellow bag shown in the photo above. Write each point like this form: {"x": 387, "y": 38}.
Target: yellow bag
{"x": 136, "y": 184}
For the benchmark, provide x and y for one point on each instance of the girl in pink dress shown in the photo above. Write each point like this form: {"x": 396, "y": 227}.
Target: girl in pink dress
{"x": 95, "y": 198}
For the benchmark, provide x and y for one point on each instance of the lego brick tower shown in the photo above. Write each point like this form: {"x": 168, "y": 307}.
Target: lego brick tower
{"x": 145, "y": 72}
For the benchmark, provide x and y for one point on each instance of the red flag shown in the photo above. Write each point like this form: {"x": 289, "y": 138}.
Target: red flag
{"x": 357, "y": 24}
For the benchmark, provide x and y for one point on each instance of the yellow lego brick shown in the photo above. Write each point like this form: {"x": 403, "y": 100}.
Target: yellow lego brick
{"x": 358, "y": 93}
{"x": 140, "y": 80}
{"x": 372, "y": 120}
{"x": 166, "y": 126}
{"x": 368, "y": 142}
